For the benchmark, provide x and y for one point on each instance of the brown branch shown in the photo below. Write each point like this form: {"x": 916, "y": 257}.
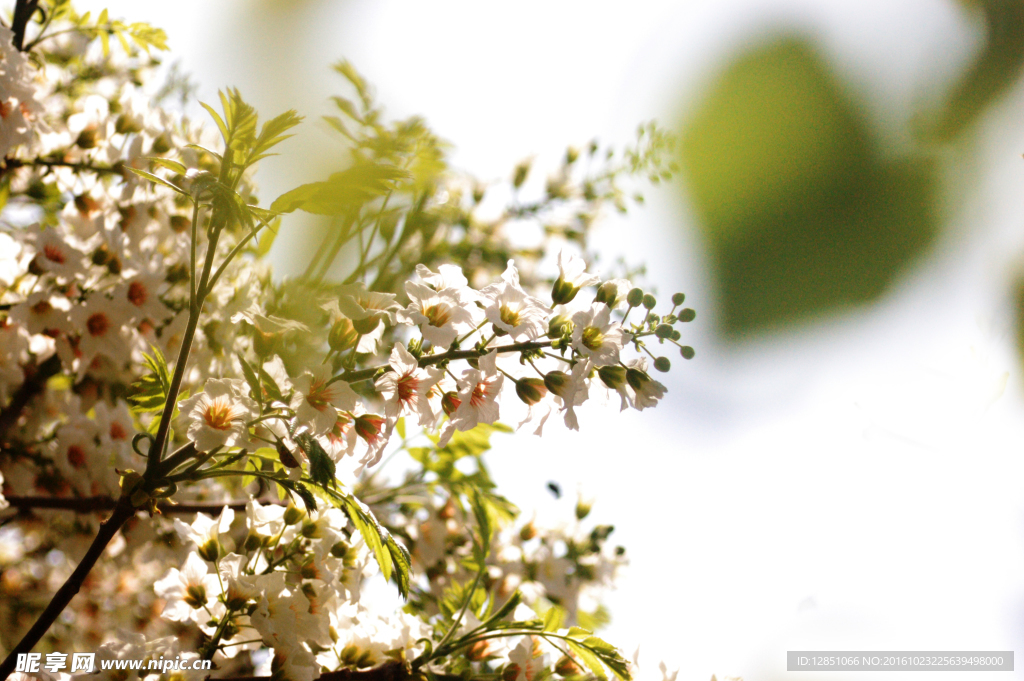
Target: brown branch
{"x": 390, "y": 671}
{"x": 34, "y": 383}
{"x": 97, "y": 504}
{"x": 23, "y": 11}
{"x": 108, "y": 528}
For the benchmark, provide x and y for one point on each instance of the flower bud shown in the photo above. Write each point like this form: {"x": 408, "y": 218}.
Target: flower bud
{"x": 311, "y": 530}
{"x": 571, "y": 154}
{"x": 252, "y": 542}
{"x": 563, "y": 292}
{"x": 447, "y": 512}
{"x": 635, "y": 297}
{"x": 676, "y": 335}
{"x": 520, "y": 173}
{"x": 557, "y": 382}
{"x": 607, "y": 293}
{"x": 612, "y": 376}
{"x": 583, "y": 508}
{"x": 566, "y": 666}
{"x": 678, "y": 298}
{"x": 292, "y": 515}
{"x": 210, "y": 550}
{"x": 510, "y": 672}
{"x": 528, "y": 531}
{"x": 162, "y": 144}
{"x": 531, "y": 390}
{"x": 687, "y": 352}
{"x": 637, "y": 379}
{"x": 450, "y": 402}
{"x": 478, "y": 651}
{"x": 663, "y": 331}
{"x": 87, "y": 138}
{"x": 342, "y": 335}
{"x": 649, "y": 301}
{"x": 340, "y": 549}
{"x": 286, "y": 456}
{"x": 557, "y": 326}
{"x": 368, "y": 426}
{"x": 366, "y": 324}
{"x": 688, "y": 315}
{"x": 195, "y": 596}
{"x": 662, "y": 364}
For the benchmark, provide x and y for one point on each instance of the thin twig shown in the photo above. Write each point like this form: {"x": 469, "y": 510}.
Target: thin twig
{"x": 97, "y": 504}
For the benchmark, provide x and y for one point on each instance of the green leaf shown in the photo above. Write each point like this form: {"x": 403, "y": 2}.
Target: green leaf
{"x": 251, "y": 379}
{"x": 592, "y": 661}
{"x": 505, "y": 610}
{"x": 321, "y": 467}
{"x": 168, "y": 163}
{"x": 159, "y": 180}
{"x": 216, "y": 119}
{"x": 342, "y": 191}
{"x": 391, "y": 556}
{"x": 554, "y": 618}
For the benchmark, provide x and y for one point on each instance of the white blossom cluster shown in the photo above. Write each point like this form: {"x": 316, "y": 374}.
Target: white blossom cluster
{"x": 98, "y": 298}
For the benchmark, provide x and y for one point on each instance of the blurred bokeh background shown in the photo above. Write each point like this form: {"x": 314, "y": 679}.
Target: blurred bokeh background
{"x": 840, "y": 467}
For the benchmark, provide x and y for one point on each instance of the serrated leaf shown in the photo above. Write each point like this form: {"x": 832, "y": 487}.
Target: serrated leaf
{"x": 321, "y": 467}
{"x": 553, "y": 618}
{"x": 392, "y": 557}
{"x": 342, "y": 191}
{"x": 308, "y": 500}
{"x": 505, "y": 610}
{"x": 216, "y": 119}
{"x": 592, "y": 661}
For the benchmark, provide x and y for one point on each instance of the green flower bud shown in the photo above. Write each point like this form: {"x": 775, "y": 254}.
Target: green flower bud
{"x": 531, "y": 390}
{"x": 528, "y": 531}
{"x": 635, "y": 297}
{"x": 195, "y": 596}
{"x": 607, "y": 293}
{"x": 583, "y": 508}
{"x": 612, "y": 376}
{"x": 563, "y": 292}
{"x": 663, "y": 331}
{"x": 252, "y": 542}
{"x": 342, "y": 335}
{"x": 557, "y": 326}
{"x": 210, "y": 550}
{"x": 688, "y": 315}
{"x": 662, "y": 364}
{"x": 687, "y": 352}
{"x": 340, "y": 549}
{"x": 678, "y": 298}
{"x": 292, "y": 515}
{"x": 637, "y": 379}
{"x": 649, "y": 301}
{"x": 676, "y": 335}
{"x": 557, "y": 382}
{"x": 566, "y": 666}
{"x": 366, "y": 324}
{"x": 520, "y": 174}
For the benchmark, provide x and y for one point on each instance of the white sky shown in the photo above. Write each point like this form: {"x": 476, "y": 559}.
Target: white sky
{"x": 854, "y": 486}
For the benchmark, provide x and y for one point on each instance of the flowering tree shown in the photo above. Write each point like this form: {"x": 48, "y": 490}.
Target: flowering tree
{"x": 231, "y": 426}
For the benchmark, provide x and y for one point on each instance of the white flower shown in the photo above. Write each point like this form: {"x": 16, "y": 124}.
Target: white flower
{"x": 316, "y": 401}
{"x": 441, "y": 315}
{"x": 187, "y": 590}
{"x": 572, "y": 276}
{"x": 101, "y": 323}
{"x": 406, "y": 389}
{"x": 512, "y": 310}
{"x": 205, "y": 532}
{"x": 522, "y": 657}
{"x": 596, "y": 337}
{"x": 219, "y": 415}
{"x": 265, "y": 521}
{"x": 478, "y": 398}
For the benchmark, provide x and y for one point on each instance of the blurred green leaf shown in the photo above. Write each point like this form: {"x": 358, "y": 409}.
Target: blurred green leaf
{"x": 800, "y": 208}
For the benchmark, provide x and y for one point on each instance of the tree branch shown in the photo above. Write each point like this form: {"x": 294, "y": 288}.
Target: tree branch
{"x": 390, "y": 671}
{"x": 97, "y": 504}
{"x": 108, "y": 528}
{"x": 33, "y": 385}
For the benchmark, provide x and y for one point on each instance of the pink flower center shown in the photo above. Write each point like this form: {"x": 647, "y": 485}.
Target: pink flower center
{"x": 76, "y": 456}
{"x": 54, "y": 254}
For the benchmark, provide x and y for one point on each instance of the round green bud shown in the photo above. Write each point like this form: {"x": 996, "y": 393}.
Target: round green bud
{"x": 563, "y": 292}
{"x": 678, "y": 298}
{"x": 687, "y": 352}
{"x": 607, "y": 293}
{"x": 649, "y": 301}
{"x": 688, "y": 315}
{"x": 663, "y": 331}
{"x": 662, "y": 364}
{"x": 366, "y": 324}
{"x": 556, "y": 326}
{"x": 340, "y": 549}
{"x": 676, "y": 335}
{"x": 635, "y": 297}
{"x": 292, "y": 515}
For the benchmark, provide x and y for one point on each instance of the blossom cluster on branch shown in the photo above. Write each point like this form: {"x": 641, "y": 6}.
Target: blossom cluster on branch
{"x": 149, "y": 360}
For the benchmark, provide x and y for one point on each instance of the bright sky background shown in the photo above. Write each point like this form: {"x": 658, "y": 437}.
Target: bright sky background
{"x": 853, "y": 486}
